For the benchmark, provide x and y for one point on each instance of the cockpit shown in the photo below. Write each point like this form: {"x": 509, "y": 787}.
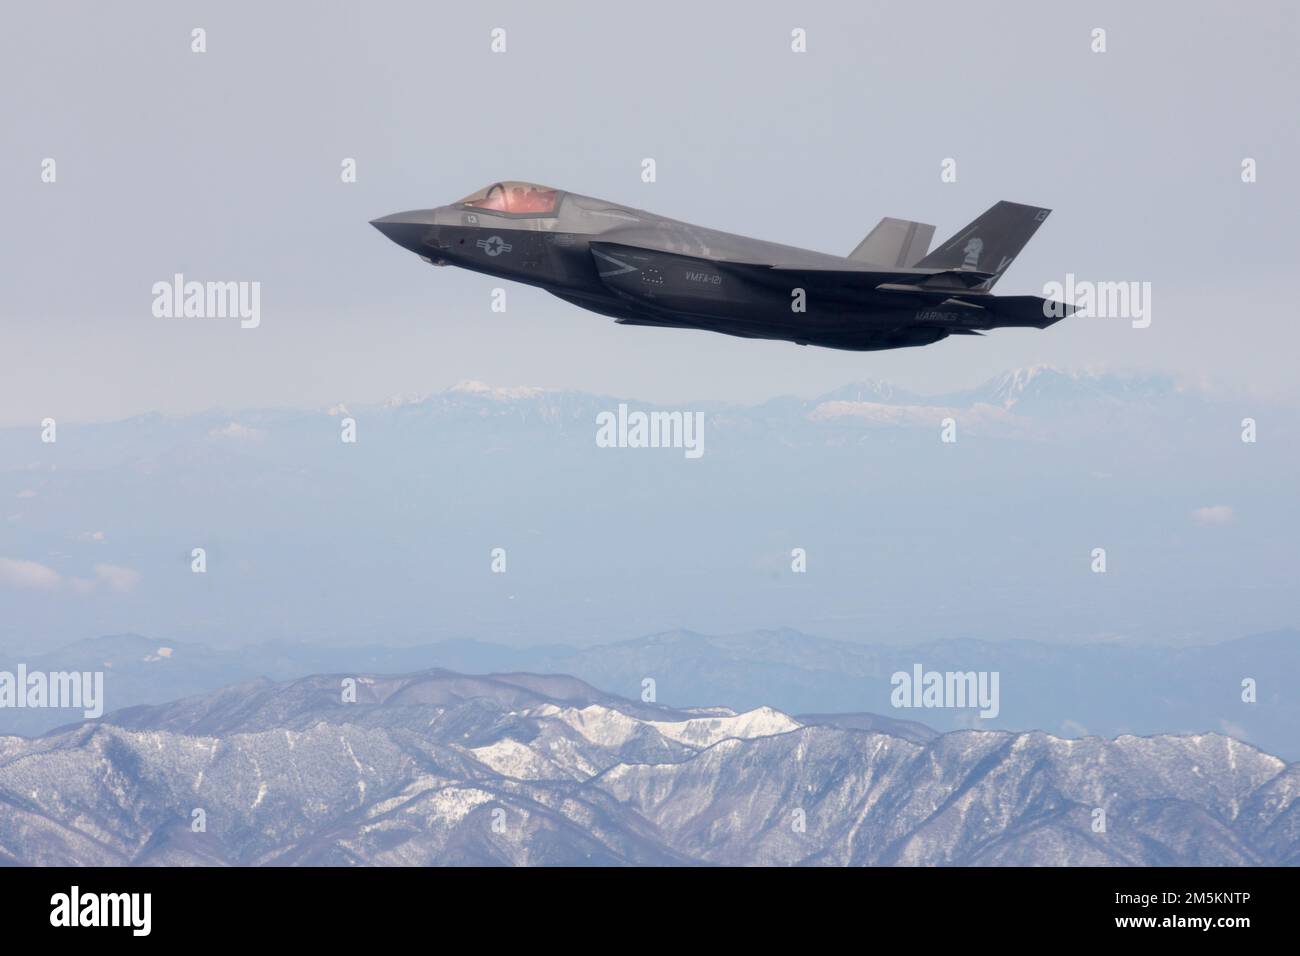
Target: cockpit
{"x": 515, "y": 199}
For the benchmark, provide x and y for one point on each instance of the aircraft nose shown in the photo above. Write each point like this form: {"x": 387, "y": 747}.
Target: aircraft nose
{"x": 414, "y": 230}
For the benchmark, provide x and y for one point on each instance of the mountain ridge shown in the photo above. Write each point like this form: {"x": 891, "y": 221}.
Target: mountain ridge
{"x": 1003, "y": 390}
{"x": 495, "y": 770}
{"x": 1107, "y": 688}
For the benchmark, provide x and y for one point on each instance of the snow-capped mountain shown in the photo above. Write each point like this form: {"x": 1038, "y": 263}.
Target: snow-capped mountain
{"x": 1102, "y": 689}
{"x": 444, "y": 768}
{"x": 1041, "y": 385}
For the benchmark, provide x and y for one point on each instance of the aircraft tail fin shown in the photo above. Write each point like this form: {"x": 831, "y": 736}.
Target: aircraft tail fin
{"x": 895, "y": 243}
{"x": 990, "y": 243}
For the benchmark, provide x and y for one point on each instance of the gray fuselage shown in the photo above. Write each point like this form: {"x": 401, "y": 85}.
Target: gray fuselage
{"x": 644, "y": 269}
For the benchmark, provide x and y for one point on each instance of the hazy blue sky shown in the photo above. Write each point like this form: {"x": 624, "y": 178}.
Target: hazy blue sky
{"x": 226, "y": 165}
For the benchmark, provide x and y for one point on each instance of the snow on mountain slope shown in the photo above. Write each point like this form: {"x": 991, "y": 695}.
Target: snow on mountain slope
{"x": 442, "y": 768}
{"x": 924, "y": 416}
{"x": 611, "y": 728}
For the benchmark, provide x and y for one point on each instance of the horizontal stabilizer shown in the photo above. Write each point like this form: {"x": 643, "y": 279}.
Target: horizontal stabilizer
{"x": 940, "y": 281}
{"x": 1029, "y": 310}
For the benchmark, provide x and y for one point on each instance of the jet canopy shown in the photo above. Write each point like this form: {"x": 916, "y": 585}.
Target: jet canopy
{"x": 513, "y": 198}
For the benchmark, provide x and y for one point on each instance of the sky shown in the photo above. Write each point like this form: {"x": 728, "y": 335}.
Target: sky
{"x": 225, "y": 165}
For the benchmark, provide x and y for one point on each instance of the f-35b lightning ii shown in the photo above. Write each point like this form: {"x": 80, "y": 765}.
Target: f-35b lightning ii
{"x": 642, "y": 269}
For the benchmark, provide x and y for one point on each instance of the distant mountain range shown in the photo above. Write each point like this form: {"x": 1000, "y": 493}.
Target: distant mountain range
{"x": 1105, "y": 689}
{"x": 1016, "y": 396}
{"x": 439, "y": 768}
{"x": 908, "y": 537}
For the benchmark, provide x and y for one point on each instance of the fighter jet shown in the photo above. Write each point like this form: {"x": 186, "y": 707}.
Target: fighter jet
{"x": 644, "y": 269}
